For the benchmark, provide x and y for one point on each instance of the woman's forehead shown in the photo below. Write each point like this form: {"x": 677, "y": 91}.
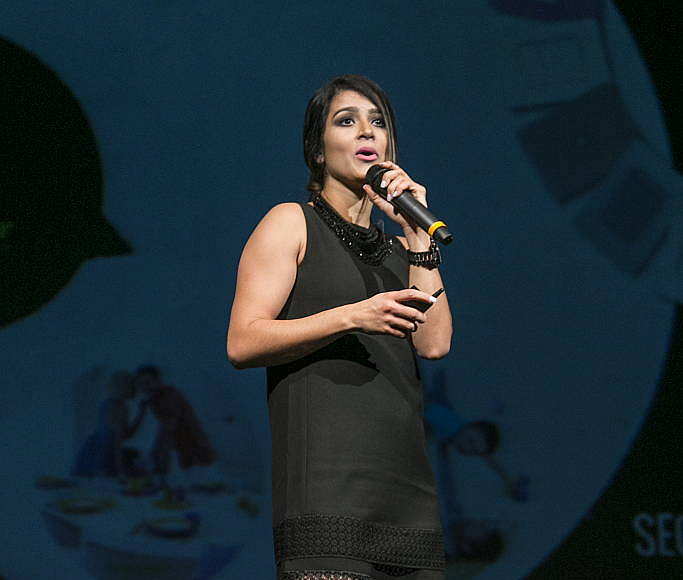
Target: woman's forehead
{"x": 350, "y": 98}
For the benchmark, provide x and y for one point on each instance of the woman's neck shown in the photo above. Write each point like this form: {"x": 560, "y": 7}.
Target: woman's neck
{"x": 353, "y": 206}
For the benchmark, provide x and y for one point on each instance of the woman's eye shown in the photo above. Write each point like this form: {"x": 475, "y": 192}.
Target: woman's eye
{"x": 346, "y": 121}
{"x": 379, "y": 122}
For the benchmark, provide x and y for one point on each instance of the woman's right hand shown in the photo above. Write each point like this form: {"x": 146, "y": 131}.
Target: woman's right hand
{"x": 385, "y": 314}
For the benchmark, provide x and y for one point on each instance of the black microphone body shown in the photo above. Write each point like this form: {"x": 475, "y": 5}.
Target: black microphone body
{"x": 410, "y": 207}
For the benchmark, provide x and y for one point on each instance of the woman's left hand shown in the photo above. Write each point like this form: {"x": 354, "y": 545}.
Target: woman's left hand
{"x": 397, "y": 182}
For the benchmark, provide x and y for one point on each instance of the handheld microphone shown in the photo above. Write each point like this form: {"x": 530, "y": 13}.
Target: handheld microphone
{"x": 410, "y": 207}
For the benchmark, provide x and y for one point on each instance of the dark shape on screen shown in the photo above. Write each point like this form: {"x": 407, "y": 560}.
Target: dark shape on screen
{"x": 576, "y": 144}
{"x": 550, "y": 11}
{"x": 52, "y": 187}
{"x": 625, "y": 219}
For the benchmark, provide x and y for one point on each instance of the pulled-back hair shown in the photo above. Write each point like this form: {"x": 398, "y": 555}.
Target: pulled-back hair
{"x": 316, "y": 114}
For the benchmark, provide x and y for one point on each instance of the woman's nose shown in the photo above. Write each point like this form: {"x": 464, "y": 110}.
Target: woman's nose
{"x": 365, "y": 129}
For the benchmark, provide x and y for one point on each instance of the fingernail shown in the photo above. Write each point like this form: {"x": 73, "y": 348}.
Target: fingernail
{"x": 432, "y": 299}
{"x": 383, "y": 184}
{"x": 389, "y": 196}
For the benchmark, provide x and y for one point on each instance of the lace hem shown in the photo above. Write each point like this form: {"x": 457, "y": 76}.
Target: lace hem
{"x": 313, "y": 535}
{"x": 343, "y": 574}
{"x": 390, "y": 570}
{"x": 322, "y": 575}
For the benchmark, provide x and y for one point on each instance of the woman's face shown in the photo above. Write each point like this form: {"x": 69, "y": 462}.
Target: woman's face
{"x": 147, "y": 382}
{"x": 355, "y": 138}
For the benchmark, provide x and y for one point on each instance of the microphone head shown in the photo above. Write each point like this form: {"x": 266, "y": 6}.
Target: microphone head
{"x": 443, "y": 236}
{"x": 373, "y": 177}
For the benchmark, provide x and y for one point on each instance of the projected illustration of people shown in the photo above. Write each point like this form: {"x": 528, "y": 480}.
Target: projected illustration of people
{"x": 52, "y": 187}
{"x": 103, "y": 453}
{"x": 482, "y": 439}
{"x": 179, "y": 428}
{"x": 465, "y": 538}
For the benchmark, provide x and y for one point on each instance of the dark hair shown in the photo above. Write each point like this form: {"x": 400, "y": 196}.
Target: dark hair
{"x": 316, "y": 114}
{"x": 149, "y": 370}
{"x": 490, "y": 432}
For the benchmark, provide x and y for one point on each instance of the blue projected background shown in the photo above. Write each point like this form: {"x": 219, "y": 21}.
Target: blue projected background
{"x": 539, "y": 135}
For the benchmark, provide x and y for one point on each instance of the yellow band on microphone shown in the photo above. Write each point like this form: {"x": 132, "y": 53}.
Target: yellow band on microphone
{"x": 435, "y": 226}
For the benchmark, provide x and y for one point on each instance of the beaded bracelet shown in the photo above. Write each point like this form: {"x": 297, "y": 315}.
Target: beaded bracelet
{"x": 430, "y": 259}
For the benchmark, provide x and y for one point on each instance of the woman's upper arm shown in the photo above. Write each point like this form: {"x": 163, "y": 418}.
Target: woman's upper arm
{"x": 268, "y": 266}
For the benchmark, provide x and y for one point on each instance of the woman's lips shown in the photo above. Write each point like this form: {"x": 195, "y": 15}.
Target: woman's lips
{"x": 367, "y": 155}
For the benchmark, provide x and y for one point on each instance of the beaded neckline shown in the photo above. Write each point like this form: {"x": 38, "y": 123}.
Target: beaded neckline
{"x": 370, "y": 245}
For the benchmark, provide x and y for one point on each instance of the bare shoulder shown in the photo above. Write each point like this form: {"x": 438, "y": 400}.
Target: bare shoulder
{"x": 268, "y": 266}
{"x": 286, "y": 214}
{"x": 286, "y": 218}
{"x": 283, "y": 226}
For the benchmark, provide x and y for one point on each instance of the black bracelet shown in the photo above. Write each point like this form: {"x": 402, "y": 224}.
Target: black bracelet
{"x": 430, "y": 259}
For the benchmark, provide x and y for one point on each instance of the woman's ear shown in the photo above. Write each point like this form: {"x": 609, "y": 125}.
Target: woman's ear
{"x": 320, "y": 158}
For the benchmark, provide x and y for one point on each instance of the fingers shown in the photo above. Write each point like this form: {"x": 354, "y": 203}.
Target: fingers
{"x": 389, "y": 165}
{"x": 398, "y": 186}
{"x": 408, "y": 313}
{"x": 404, "y": 318}
{"x": 401, "y": 326}
{"x": 397, "y": 333}
{"x": 372, "y": 194}
{"x": 389, "y": 176}
{"x": 412, "y": 294}
{"x": 398, "y": 319}
{"x": 396, "y": 181}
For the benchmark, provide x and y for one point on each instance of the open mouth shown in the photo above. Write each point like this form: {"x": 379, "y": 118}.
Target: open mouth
{"x": 367, "y": 154}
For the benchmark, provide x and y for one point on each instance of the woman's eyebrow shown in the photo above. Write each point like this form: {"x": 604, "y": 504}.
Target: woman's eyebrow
{"x": 355, "y": 110}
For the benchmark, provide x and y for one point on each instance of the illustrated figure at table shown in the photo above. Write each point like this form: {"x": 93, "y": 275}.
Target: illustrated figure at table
{"x": 464, "y": 537}
{"x": 102, "y": 453}
{"x": 179, "y": 428}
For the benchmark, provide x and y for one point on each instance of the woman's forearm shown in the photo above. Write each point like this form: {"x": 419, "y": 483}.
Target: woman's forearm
{"x": 264, "y": 342}
{"x": 432, "y": 339}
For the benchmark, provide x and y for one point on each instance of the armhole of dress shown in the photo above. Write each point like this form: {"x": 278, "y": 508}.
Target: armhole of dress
{"x": 307, "y": 233}
{"x": 287, "y": 305}
{"x": 400, "y": 249}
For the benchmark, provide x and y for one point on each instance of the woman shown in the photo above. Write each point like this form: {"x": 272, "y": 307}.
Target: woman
{"x": 321, "y": 302}
{"x": 179, "y": 428}
{"x": 102, "y": 453}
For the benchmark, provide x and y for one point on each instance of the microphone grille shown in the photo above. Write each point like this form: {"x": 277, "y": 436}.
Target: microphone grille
{"x": 373, "y": 176}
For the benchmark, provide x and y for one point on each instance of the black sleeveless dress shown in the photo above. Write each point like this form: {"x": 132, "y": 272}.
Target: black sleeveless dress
{"x": 354, "y": 495}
